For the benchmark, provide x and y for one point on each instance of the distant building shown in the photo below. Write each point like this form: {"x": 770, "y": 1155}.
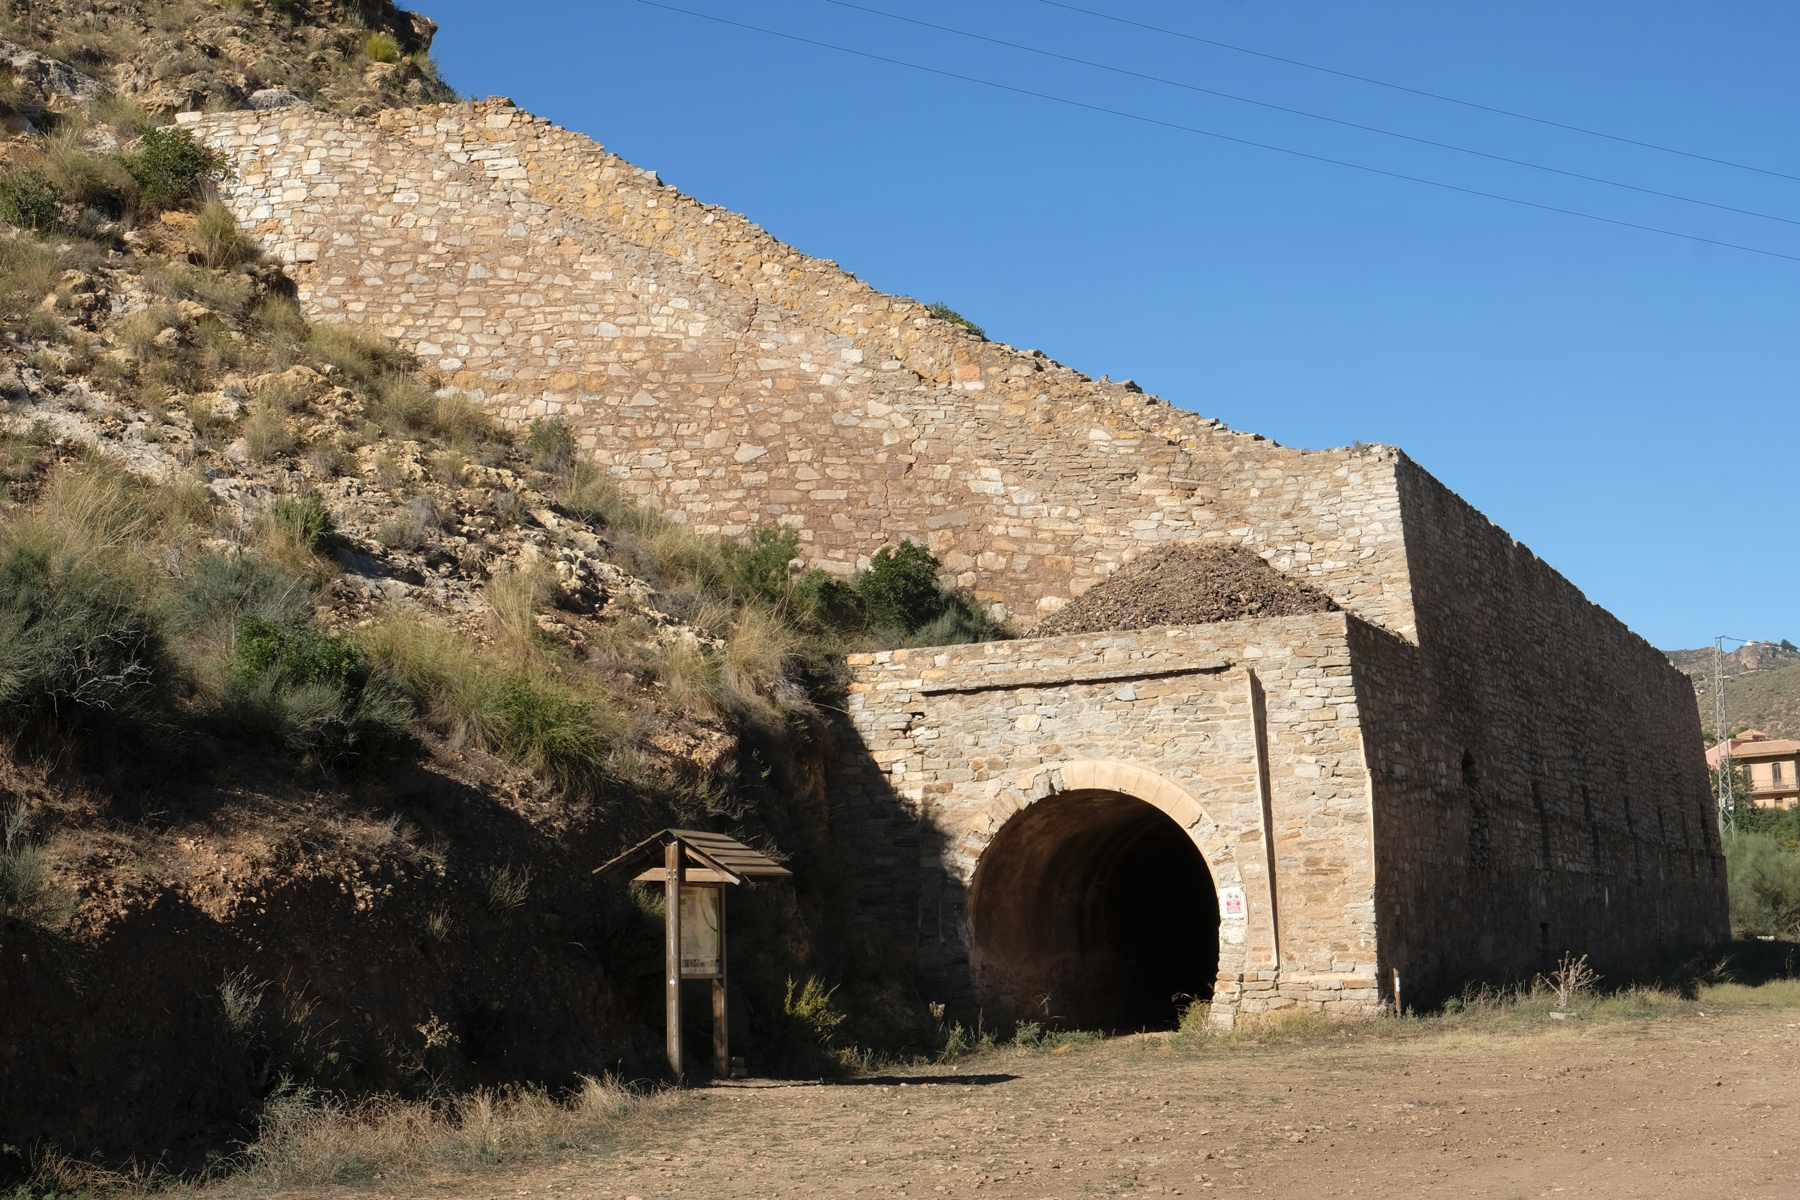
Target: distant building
{"x": 1773, "y": 765}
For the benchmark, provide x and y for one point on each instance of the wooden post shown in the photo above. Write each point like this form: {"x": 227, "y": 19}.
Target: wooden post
{"x": 721, "y": 1030}
{"x": 673, "y": 855}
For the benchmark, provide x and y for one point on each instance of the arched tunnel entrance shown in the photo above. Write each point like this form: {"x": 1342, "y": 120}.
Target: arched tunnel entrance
{"x": 1096, "y": 910}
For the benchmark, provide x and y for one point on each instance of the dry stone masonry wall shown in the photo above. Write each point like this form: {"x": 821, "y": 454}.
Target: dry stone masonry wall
{"x": 729, "y": 379}
{"x": 1246, "y": 733}
{"x": 1468, "y": 769}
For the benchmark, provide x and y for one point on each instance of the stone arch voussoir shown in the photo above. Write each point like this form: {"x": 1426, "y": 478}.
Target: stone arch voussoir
{"x": 1215, "y": 843}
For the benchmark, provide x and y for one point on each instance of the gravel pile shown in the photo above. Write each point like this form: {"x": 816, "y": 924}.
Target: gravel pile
{"x": 1185, "y": 585}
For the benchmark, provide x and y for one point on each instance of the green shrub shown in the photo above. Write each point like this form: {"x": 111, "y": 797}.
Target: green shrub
{"x": 905, "y": 603}
{"x": 316, "y": 694}
{"x": 78, "y": 652}
{"x": 944, "y": 312}
{"x": 547, "y": 726}
{"x": 305, "y": 522}
{"x": 759, "y": 568}
{"x": 528, "y": 713}
{"x": 1764, "y": 881}
{"x": 900, "y": 590}
{"x": 294, "y": 655}
{"x": 22, "y": 867}
{"x": 551, "y": 444}
{"x": 812, "y": 1010}
{"x": 822, "y": 603}
{"x": 960, "y": 623}
{"x": 381, "y": 48}
{"x": 169, "y": 166}
{"x": 27, "y": 200}
{"x": 1781, "y": 824}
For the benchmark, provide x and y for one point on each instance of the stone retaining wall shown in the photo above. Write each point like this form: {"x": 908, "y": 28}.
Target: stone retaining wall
{"x": 733, "y": 381}
{"x": 1469, "y": 770}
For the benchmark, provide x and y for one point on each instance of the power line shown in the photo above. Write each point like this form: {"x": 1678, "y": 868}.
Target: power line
{"x": 1300, "y": 112}
{"x": 1401, "y": 87}
{"x": 1223, "y": 137}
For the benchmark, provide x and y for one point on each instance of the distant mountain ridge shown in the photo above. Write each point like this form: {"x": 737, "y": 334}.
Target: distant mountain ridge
{"x": 1762, "y": 687}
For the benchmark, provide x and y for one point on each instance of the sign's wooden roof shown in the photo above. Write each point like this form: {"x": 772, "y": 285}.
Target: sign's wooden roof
{"x": 728, "y": 859}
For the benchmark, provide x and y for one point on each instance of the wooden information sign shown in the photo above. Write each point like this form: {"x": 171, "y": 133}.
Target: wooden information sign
{"x": 694, "y": 869}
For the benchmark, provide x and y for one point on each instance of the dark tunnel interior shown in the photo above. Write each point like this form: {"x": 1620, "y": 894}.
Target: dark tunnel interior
{"x": 1093, "y": 910}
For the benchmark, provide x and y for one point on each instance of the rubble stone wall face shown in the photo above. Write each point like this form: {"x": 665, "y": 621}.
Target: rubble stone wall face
{"x": 732, "y": 381}
{"x": 1538, "y": 769}
{"x": 1469, "y": 769}
{"x": 948, "y": 744}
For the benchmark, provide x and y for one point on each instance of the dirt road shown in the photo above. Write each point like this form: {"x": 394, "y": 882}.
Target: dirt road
{"x": 1697, "y": 1102}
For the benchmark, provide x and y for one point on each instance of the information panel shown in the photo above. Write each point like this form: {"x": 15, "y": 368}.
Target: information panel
{"x": 700, "y": 941}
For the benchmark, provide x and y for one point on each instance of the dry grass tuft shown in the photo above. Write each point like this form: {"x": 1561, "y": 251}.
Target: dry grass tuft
{"x": 304, "y": 1143}
{"x": 218, "y": 240}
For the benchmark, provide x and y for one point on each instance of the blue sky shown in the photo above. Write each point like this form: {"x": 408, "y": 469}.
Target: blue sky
{"x": 1623, "y": 402}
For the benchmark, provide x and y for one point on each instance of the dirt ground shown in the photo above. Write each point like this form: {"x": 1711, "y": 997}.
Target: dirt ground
{"x": 1698, "y": 1101}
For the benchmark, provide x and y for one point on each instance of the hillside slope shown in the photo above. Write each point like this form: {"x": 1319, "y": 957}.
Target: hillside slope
{"x": 1762, "y": 688}
{"x": 168, "y": 56}
{"x": 321, "y": 693}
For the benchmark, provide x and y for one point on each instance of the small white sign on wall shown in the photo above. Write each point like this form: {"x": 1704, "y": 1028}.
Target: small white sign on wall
{"x": 1231, "y": 904}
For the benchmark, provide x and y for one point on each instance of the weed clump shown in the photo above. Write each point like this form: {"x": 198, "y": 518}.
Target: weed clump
{"x": 518, "y": 709}
{"x": 25, "y": 888}
{"x": 944, "y": 312}
{"x": 303, "y": 522}
{"x": 551, "y": 444}
{"x": 217, "y": 238}
{"x": 315, "y": 694}
{"x": 381, "y": 48}
{"x": 27, "y": 200}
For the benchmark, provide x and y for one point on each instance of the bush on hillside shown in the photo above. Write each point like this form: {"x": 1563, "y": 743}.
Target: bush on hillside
{"x": 26, "y": 889}
{"x": 304, "y": 522}
{"x": 27, "y": 200}
{"x": 367, "y": 358}
{"x": 521, "y": 711}
{"x": 83, "y": 177}
{"x": 761, "y": 567}
{"x": 901, "y": 599}
{"x": 28, "y": 269}
{"x": 900, "y": 590}
{"x": 78, "y": 652}
{"x": 316, "y": 694}
{"x": 169, "y": 166}
{"x": 551, "y": 444}
{"x": 381, "y": 48}
{"x": 219, "y": 591}
{"x": 218, "y": 240}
